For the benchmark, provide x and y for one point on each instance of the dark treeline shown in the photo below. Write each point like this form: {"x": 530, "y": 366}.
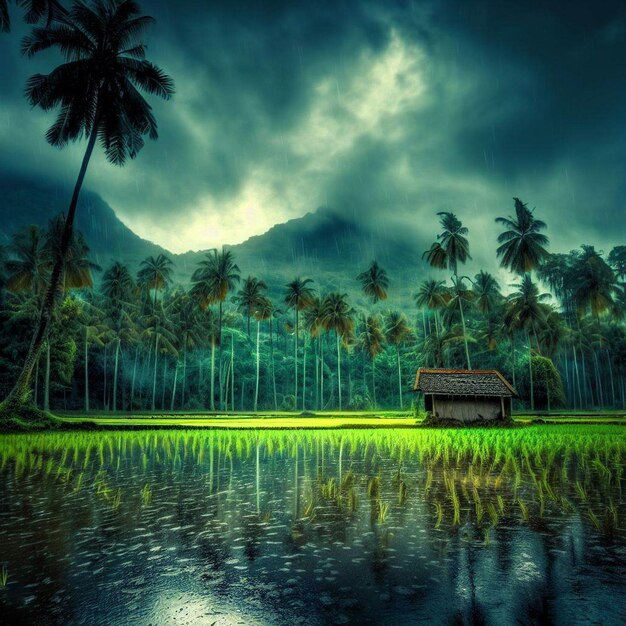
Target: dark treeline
{"x": 140, "y": 342}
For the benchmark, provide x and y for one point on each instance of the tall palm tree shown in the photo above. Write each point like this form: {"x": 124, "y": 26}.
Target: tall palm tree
{"x": 486, "y": 292}
{"x": 433, "y": 296}
{"x": 314, "y": 326}
{"x": 397, "y": 331}
{"x": 95, "y": 332}
{"x": 36, "y": 11}
{"x": 217, "y": 274}
{"x": 522, "y": 245}
{"x": 263, "y": 311}
{"x": 595, "y": 285}
{"x": 337, "y": 317}
{"x": 248, "y": 297}
{"x": 117, "y": 284}
{"x": 155, "y": 274}
{"x": 451, "y": 249}
{"x": 374, "y": 282}
{"x": 298, "y": 296}
{"x": 98, "y": 92}
{"x": 371, "y": 341}
{"x": 526, "y": 312}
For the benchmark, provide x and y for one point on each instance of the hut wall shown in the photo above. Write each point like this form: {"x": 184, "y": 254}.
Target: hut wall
{"x": 468, "y": 409}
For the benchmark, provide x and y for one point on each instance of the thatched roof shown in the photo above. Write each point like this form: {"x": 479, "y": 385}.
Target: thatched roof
{"x": 462, "y": 383}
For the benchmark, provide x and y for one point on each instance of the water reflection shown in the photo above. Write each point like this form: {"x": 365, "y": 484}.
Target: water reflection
{"x": 364, "y": 527}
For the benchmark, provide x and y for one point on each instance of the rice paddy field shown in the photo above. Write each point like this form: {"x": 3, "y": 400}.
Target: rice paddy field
{"x": 342, "y": 526}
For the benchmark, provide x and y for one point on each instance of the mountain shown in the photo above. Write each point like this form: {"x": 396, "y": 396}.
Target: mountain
{"x": 330, "y": 248}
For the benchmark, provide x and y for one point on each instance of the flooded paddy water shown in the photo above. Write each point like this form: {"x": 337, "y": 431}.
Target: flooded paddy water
{"x": 520, "y": 526}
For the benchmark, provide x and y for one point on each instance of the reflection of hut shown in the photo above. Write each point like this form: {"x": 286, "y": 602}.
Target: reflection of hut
{"x": 465, "y": 395}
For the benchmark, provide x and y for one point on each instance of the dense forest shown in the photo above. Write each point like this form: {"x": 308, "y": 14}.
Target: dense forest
{"x": 220, "y": 343}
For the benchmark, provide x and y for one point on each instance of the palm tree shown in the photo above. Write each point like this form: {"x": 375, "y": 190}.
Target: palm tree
{"x": 594, "y": 283}
{"x": 314, "y": 326}
{"x": 216, "y": 275}
{"x": 248, "y": 298}
{"x": 46, "y": 11}
{"x": 118, "y": 284}
{"x": 397, "y": 331}
{"x": 155, "y": 274}
{"x": 522, "y": 245}
{"x": 526, "y": 312}
{"x": 337, "y": 316}
{"x": 617, "y": 260}
{"x": 98, "y": 92}
{"x": 28, "y": 266}
{"x": 451, "y": 249}
{"x": 486, "y": 292}
{"x": 374, "y": 282}
{"x": 371, "y": 341}
{"x": 432, "y": 295}
{"x": 298, "y": 296}
{"x": 263, "y": 311}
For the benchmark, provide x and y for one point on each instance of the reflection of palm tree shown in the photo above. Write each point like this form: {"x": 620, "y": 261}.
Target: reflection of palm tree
{"x": 97, "y": 90}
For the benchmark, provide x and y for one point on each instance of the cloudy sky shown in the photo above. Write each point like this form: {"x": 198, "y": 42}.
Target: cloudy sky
{"x": 383, "y": 109}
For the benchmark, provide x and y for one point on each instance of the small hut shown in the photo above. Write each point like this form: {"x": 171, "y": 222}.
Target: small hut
{"x": 465, "y": 395}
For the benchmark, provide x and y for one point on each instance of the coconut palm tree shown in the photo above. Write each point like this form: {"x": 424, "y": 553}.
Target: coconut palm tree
{"x": 374, "y": 282}
{"x": 118, "y": 285}
{"x": 314, "y": 326}
{"x": 451, "y": 249}
{"x": 594, "y": 283}
{"x": 522, "y": 245}
{"x": 27, "y": 265}
{"x": 617, "y": 260}
{"x": 371, "y": 342}
{"x": 397, "y": 331}
{"x": 155, "y": 274}
{"x": 217, "y": 275}
{"x": 298, "y": 296}
{"x": 433, "y": 296}
{"x": 337, "y": 317}
{"x": 248, "y": 297}
{"x": 263, "y": 311}
{"x": 526, "y": 312}
{"x": 36, "y": 11}
{"x": 486, "y": 292}
{"x": 98, "y": 92}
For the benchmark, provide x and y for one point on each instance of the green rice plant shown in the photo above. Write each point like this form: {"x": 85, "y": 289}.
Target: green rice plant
{"x": 352, "y": 500}
{"x": 117, "y": 500}
{"x": 582, "y": 492}
{"x": 402, "y": 493}
{"x": 79, "y": 482}
{"x": 146, "y": 495}
{"x": 383, "y": 509}
{"x": 4, "y": 577}
{"x": 487, "y": 536}
{"x": 593, "y": 518}
{"x": 523, "y": 509}
{"x": 493, "y": 514}
{"x": 500, "y": 501}
{"x": 373, "y": 487}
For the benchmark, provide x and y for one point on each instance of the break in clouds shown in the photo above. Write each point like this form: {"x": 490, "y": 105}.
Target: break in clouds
{"x": 394, "y": 109}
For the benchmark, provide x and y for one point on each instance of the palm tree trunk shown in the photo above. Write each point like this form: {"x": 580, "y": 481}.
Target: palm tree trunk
{"x": 399, "y": 377}
{"x": 304, "y": 374}
{"x": 580, "y": 395}
{"x": 467, "y": 356}
{"x": 156, "y": 358}
{"x": 117, "y": 354}
{"x": 174, "y": 387}
{"x": 317, "y": 375}
{"x": 163, "y": 383}
{"x": 104, "y": 385}
{"x": 19, "y": 395}
{"x": 46, "y": 389}
{"x": 232, "y": 369}
{"x": 339, "y": 369}
{"x": 530, "y": 372}
{"x": 37, "y": 381}
{"x": 86, "y": 371}
{"x": 184, "y": 385}
{"x": 273, "y": 365}
{"x": 132, "y": 386}
{"x": 258, "y": 365}
{"x": 321, "y": 373}
{"x": 295, "y": 362}
{"x": 374, "y": 380}
{"x": 212, "y": 374}
{"x": 219, "y": 336}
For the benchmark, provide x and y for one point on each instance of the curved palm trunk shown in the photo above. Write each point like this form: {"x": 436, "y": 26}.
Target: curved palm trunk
{"x": 86, "y": 371}
{"x": 117, "y": 355}
{"x": 258, "y": 365}
{"x": 339, "y": 370}
{"x": 19, "y": 395}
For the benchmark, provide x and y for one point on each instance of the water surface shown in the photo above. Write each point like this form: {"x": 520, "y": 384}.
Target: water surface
{"x": 334, "y": 527}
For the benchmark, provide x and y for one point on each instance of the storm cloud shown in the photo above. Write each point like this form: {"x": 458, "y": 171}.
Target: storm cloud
{"x": 394, "y": 109}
